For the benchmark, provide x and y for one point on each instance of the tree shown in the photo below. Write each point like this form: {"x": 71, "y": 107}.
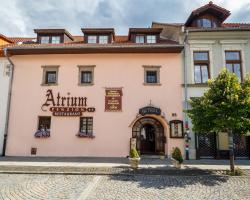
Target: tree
{"x": 224, "y": 107}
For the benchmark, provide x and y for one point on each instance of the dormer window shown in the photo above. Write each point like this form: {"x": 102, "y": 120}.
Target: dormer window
{"x": 55, "y": 39}
{"x": 53, "y": 36}
{"x": 45, "y": 40}
{"x": 206, "y": 23}
{"x": 151, "y": 39}
{"x": 140, "y": 39}
{"x": 103, "y": 39}
{"x": 92, "y": 39}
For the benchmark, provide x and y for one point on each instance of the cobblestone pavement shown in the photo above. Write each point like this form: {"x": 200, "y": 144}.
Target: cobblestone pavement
{"x": 136, "y": 187}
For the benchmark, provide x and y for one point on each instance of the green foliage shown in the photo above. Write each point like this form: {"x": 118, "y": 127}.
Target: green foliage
{"x": 176, "y": 154}
{"x": 224, "y": 106}
{"x": 238, "y": 172}
{"x": 134, "y": 153}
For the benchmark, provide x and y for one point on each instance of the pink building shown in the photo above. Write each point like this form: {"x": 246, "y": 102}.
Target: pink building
{"x": 89, "y": 95}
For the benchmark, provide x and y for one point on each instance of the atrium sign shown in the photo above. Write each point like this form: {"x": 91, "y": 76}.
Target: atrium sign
{"x": 66, "y": 106}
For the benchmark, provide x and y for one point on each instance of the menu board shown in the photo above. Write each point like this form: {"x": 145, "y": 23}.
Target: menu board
{"x": 113, "y": 100}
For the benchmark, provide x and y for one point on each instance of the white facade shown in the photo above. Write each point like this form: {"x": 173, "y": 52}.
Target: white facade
{"x": 215, "y": 43}
{"x": 4, "y": 89}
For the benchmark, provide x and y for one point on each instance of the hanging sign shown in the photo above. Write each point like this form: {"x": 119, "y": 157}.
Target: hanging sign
{"x": 150, "y": 110}
{"x": 113, "y": 99}
{"x": 66, "y": 106}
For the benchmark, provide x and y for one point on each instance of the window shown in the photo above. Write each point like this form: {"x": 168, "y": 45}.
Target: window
{"x": 201, "y": 67}
{"x": 92, "y": 39}
{"x": 152, "y": 75}
{"x": 151, "y": 39}
{"x": 103, "y": 39}
{"x": 86, "y": 75}
{"x": 55, "y": 39}
{"x": 176, "y": 129}
{"x": 86, "y": 126}
{"x": 50, "y": 75}
{"x": 43, "y": 129}
{"x": 233, "y": 63}
{"x": 139, "y": 39}
{"x": 45, "y": 40}
{"x": 206, "y": 23}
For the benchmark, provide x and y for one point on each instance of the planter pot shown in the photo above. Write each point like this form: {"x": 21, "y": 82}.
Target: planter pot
{"x": 162, "y": 157}
{"x": 134, "y": 162}
{"x": 176, "y": 163}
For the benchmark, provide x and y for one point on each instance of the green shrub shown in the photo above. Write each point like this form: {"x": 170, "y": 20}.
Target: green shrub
{"x": 176, "y": 154}
{"x": 238, "y": 172}
{"x": 134, "y": 153}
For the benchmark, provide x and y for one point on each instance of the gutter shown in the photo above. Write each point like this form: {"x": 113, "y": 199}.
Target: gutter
{"x": 185, "y": 75}
{"x": 8, "y": 101}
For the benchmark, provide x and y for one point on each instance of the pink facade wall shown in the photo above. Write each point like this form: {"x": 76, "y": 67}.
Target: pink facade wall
{"x": 112, "y": 130}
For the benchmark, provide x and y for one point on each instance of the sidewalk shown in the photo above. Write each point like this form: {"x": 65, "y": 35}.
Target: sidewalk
{"x": 90, "y": 165}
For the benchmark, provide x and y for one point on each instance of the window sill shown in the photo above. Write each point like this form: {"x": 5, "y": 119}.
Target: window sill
{"x": 83, "y": 135}
{"x": 49, "y": 84}
{"x": 152, "y": 84}
{"x": 177, "y": 137}
{"x": 196, "y": 85}
{"x": 85, "y": 84}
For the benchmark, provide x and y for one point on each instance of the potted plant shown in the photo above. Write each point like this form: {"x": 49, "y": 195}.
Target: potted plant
{"x": 134, "y": 158}
{"x": 177, "y": 159}
{"x": 162, "y": 155}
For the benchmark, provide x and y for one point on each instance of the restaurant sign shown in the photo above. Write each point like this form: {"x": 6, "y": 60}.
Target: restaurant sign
{"x": 66, "y": 106}
{"x": 113, "y": 99}
{"x": 150, "y": 110}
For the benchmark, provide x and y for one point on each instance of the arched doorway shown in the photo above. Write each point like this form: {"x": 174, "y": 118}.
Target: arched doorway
{"x": 149, "y": 134}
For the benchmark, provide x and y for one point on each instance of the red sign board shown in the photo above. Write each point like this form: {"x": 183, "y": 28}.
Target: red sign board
{"x": 113, "y": 100}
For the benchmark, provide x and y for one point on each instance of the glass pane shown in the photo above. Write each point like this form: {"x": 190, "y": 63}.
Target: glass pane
{"x": 44, "y": 123}
{"x": 92, "y": 39}
{"x": 151, "y": 39}
{"x": 197, "y": 74}
{"x": 206, "y": 23}
{"x": 86, "y": 77}
{"x": 139, "y": 39}
{"x": 103, "y": 39}
{"x": 51, "y": 77}
{"x": 44, "y": 39}
{"x": 204, "y": 72}
{"x": 55, "y": 39}
{"x": 232, "y": 55}
{"x": 237, "y": 71}
{"x": 151, "y": 76}
{"x": 201, "y": 56}
{"x": 229, "y": 67}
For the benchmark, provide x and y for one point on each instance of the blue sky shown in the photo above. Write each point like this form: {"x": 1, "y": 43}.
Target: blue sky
{"x": 20, "y": 17}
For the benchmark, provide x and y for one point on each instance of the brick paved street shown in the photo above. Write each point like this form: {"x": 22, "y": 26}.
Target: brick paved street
{"x": 137, "y": 187}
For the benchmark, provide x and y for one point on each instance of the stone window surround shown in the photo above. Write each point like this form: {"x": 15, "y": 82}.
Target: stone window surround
{"x": 201, "y": 46}
{"x": 152, "y": 68}
{"x": 234, "y": 45}
{"x": 85, "y": 68}
{"x": 47, "y": 68}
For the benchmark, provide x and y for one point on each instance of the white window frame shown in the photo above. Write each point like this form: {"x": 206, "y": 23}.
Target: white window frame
{"x": 103, "y": 39}
{"x": 92, "y": 39}
{"x": 55, "y": 39}
{"x": 85, "y": 68}
{"x": 49, "y": 68}
{"x": 42, "y": 38}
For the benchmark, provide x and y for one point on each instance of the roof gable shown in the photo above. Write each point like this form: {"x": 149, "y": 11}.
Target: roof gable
{"x": 220, "y": 13}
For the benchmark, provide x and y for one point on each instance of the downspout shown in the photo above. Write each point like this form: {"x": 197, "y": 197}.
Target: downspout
{"x": 187, "y": 136}
{"x": 8, "y": 100}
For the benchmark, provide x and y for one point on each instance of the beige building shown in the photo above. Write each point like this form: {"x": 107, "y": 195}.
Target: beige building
{"x": 210, "y": 45}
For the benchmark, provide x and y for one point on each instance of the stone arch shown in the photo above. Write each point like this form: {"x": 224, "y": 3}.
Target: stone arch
{"x": 158, "y": 128}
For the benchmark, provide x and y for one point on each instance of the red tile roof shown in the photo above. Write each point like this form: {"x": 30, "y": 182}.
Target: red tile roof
{"x": 236, "y": 25}
{"x": 5, "y": 38}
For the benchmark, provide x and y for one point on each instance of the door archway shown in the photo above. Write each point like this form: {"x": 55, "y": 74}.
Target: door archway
{"x": 149, "y": 134}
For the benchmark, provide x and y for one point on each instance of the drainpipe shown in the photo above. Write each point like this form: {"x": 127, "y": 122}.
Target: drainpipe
{"x": 187, "y": 137}
{"x": 8, "y": 101}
